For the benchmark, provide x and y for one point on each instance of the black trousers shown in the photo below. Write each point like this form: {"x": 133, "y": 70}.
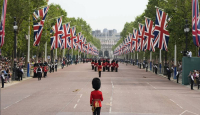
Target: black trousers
{"x": 156, "y": 70}
{"x": 92, "y": 67}
{"x": 50, "y": 70}
{"x": 104, "y": 68}
{"x": 39, "y": 76}
{"x": 108, "y": 68}
{"x": 99, "y": 73}
{"x": 97, "y": 111}
{"x": 2, "y": 81}
{"x": 116, "y": 69}
{"x": 56, "y": 68}
{"x": 192, "y": 82}
{"x": 21, "y": 76}
{"x": 146, "y": 69}
{"x": 169, "y": 76}
{"x": 45, "y": 74}
{"x": 112, "y": 68}
{"x": 95, "y": 68}
{"x": 177, "y": 78}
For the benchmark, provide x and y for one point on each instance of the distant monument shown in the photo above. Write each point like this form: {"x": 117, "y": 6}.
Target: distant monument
{"x": 108, "y": 39}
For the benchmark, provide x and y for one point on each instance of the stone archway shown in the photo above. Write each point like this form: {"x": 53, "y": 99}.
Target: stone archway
{"x": 100, "y": 54}
{"x": 106, "y": 53}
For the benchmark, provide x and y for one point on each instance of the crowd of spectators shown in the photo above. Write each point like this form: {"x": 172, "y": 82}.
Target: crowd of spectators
{"x": 194, "y": 78}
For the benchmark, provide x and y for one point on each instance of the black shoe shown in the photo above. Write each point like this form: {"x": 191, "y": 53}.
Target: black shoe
{"x": 2, "y": 87}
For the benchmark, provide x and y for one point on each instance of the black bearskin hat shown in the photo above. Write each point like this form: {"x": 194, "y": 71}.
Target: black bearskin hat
{"x": 95, "y": 61}
{"x": 99, "y": 62}
{"x": 96, "y": 83}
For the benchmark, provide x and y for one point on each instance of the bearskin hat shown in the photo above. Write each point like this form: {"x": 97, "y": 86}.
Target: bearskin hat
{"x": 96, "y": 83}
{"x": 99, "y": 61}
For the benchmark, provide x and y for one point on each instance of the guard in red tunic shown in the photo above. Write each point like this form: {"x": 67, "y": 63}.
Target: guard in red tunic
{"x": 99, "y": 68}
{"x": 34, "y": 70}
{"x": 116, "y": 66}
{"x": 95, "y": 65}
{"x": 108, "y": 66}
{"x": 45, "y": 70}
{"x": 104, "y": 66}
{"x": 92, "y": 64}
{"x": 96, "y": 97}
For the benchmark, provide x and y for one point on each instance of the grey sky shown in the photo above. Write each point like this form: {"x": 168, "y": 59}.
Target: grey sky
{"x": 100, "y": 14}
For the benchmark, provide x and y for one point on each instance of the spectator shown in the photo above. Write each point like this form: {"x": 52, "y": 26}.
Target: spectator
{"x": 198, "y": 79}
{"x": 192, "y": 81}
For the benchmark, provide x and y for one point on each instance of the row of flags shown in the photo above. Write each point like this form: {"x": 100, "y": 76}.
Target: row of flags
{"x": 148, "y": 37}
{"x": 62, "y": 36}
{"x": 2, "y": 23}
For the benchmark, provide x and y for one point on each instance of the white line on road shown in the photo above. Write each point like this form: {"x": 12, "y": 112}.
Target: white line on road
{"x": 110, "y": 110}
{"x": 188, "y": 112}
{"x": 75, "y": 106}
{"x": 151, "y": 85}
{"x": 78, "y": 100}
{"x": 81, "y": 95}
{"x": 176, "y": 103}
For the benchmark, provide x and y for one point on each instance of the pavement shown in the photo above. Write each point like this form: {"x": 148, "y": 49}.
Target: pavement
{"x": 131, "y": 91}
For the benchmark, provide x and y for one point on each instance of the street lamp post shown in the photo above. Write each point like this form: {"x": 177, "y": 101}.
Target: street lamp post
{"x": 186, "y": 30}
{"x": 15, "y": 27}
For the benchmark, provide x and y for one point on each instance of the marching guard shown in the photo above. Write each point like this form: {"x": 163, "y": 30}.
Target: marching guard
{"x": 95, "y": 65}
{"x": 45, "y": 70}
{"x": 116, "y": 66}
{"x": 104, "y": 66}
{"x": 92, "y": 64}
{"x": 108, "y": 66}
{"x": 96, "y": 97}
{"x": 99, "y": 68}
{"x": 56, "y": 66}
{"x": 146, "y": 67}
{"x": 34, "y": 70}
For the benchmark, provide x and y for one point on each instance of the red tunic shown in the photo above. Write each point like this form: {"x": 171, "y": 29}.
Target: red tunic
{"x": 103, "y": 64}
{"x": 95, "y": 98}
{"x": 34, "y": 70}
{"x": 108, "y": 65}
{"x": 92, "y": 63}
{"x": 96, "y": 64}
{"x": 45, "y": 69}
{"x": 99, "y": 68}
{"x": 116, "y": 65}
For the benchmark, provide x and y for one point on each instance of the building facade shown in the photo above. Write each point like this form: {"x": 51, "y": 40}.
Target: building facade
{"x": 108, "y": 39}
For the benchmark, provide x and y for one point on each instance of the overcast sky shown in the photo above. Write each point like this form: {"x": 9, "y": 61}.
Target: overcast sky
{"x": 100, "y": 14}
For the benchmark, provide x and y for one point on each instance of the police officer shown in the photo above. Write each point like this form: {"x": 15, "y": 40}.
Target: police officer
{"x": 146, "y": 67}
{"x": 39, "y": 73}
{"x": 52, "y": 67}
{"x": 2, "y": 78}
{"x": 56, "y": 65}
{"x": 168, "y": 73}
{"x": 156, "y": 69}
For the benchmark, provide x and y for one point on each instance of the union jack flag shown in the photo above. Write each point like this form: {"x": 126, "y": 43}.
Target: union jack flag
{"x": 2, "y": 23}
{"x": 83, "y": 44}
{"x": 141, "y": 37}
{"x": 79, "y": 40}
{"x": 73, "y": 37}
{"x": 161, "y": 37}
{"x": 38, "y": 27}
{"x": 58, "y": 33}
{"x": 148, "y": 35}
{"x": 135, "y": 40}
{"x": 195, "y": 23}
{"x": 66, "y": 36}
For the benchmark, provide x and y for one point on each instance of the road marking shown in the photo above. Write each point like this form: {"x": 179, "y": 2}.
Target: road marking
{"x": 110, "y": 98}
{"x": 110, "y": 110}
{"x": 16, "y": 102}
{"x": 75, "y": 106}
{"x": 151, "y": 85}
{"x": 81, "y": 95}
{"x": 78, "y": 100}
{"x": 176, "y": 103}
{"x": 188, "y": 112}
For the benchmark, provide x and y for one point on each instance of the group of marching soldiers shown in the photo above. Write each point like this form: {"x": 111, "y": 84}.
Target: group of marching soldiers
{"x": 40, "y": 68}
{"x": 106, "y": 66}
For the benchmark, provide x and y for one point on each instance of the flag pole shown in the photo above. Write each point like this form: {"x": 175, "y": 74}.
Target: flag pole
{"x": 28, "y": 57}
{"x": 151, "y": 61}
{"x": 160, "y": 61}
{"x": 175, "y": 59}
